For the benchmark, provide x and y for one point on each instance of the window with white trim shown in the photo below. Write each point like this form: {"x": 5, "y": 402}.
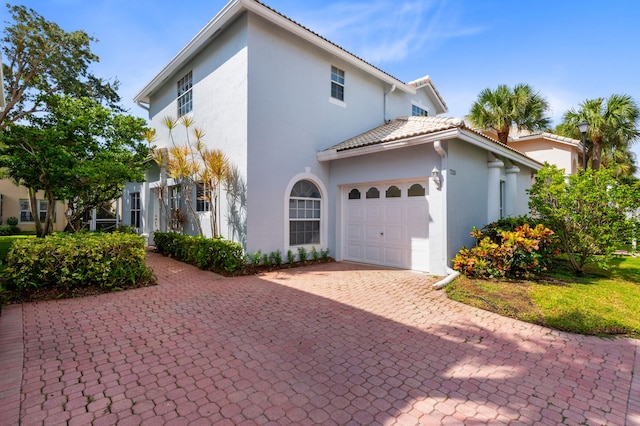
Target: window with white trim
{"x": 185, "y": 95}
{"x": 136, "y": 209}
{"x": 416, "y": 111}
{"x": 25, "y": 211}
{"x": 337, "y": 83}
{"x": 304, "y": 214}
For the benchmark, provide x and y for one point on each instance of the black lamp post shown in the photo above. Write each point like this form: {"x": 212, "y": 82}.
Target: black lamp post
{"x": 583, "y": 126}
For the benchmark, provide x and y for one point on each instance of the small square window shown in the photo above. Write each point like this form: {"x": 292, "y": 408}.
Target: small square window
{"x": 337, "y": 83}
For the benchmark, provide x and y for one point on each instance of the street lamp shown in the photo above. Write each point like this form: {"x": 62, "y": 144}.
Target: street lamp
{"x": 583, "y": 126}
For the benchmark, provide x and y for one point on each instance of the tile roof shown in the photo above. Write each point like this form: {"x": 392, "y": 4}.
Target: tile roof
{"x": 406, "y": 127}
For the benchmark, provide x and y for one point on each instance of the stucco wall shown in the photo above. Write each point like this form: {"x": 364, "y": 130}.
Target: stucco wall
{"x": 11, "y": 196}
{"x": 291, "y": 118}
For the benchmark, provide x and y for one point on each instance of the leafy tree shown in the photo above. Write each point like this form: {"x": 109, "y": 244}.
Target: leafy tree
{"x": 503, "y": 108}
{"x": 42, "y": 59}
{"x": 613, "y": 124}
{"x": 590, "y": 212}
{"x": 76, "y": 150}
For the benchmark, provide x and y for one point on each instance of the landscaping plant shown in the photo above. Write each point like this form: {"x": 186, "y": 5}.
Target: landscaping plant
{"x": 591, "y": 212}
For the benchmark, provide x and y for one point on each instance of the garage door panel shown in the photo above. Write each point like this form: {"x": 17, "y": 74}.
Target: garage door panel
{"x": 354, "y": 251}
{"x": 394, "y": 256}
{"x": 394, "y": 235}
{"x": 373, "y": 212}
{"x": 387, "y": 231}
{"x": 355, "y": 232}
{"x": 372, "y": 234}
{"x": 394, "y": 212}
{"x": 374, "y": 254}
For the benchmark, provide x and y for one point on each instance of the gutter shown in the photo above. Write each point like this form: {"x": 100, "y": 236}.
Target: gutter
{"x": 446, "y": 280}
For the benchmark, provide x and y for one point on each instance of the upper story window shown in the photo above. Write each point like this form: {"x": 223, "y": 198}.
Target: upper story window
{"x": 416, "y": 111}
{"x": 337, "y": 83}
{"x": 185, "y": 95}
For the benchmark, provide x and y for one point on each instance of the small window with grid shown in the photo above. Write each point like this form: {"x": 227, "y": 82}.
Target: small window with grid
{"x": 185, "y": 95}
{"x": 337, "y": 83}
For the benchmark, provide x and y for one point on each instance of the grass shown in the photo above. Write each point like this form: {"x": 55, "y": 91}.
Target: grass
{"x": 7, "y": 241}
{"x": 601, "y": 303}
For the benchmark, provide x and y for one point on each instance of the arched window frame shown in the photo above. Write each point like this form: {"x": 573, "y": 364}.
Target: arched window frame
{"x": 323, "y": 212}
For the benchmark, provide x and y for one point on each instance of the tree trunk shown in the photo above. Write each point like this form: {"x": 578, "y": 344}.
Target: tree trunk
{"x": 33, "y": 204}
{"x": 596, "y": 153}
{"x": 503, "y": 135}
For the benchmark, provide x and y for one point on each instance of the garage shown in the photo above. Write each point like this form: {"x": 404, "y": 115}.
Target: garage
{"x": 387, "y": 223}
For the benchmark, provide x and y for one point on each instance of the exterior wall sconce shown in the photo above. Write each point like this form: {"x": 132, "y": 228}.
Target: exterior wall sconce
{"x": 435, "y": 175}
{"x": 583, "y": 126}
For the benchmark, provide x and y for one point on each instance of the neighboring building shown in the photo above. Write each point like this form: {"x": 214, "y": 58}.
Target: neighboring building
{"x": 545, "y": 147}
{"x": 14, "y": 202}
{"x": 334, "y": 152}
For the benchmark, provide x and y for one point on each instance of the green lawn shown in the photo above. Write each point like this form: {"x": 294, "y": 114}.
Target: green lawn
{"x": 602, "y": 303}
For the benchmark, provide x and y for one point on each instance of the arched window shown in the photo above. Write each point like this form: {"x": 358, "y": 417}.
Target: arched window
{"x": 354, "y": 194}
{"x": 373, "y": 193}
{"x": 393, "y": 192}
{"x": 416, "y": 190}
{"x": 304, "y": 214}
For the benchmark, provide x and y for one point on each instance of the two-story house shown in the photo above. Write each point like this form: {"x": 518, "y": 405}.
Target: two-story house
{"x": 334, "y": 153}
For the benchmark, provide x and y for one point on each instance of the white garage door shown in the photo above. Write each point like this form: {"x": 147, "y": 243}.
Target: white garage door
{"x": 387, "y": 224}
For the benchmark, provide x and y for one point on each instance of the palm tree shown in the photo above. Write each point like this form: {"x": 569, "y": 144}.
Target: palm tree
{"x": 505, "y": 107}
{"x": 612, "y": 124}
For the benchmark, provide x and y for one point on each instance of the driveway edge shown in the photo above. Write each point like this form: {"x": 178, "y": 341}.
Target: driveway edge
{"x": 11, "y": 363}
{"x": 633, "y": 404}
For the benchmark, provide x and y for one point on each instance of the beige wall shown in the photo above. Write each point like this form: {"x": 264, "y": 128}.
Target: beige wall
{"x": 11, "y": 196}
{"x": 545, "y": 150}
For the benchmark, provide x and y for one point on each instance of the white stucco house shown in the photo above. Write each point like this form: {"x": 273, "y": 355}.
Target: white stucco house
{"x": 334, "y": 152}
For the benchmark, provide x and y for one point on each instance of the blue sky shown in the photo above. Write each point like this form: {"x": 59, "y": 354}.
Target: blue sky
{"x": 568, "y": 50}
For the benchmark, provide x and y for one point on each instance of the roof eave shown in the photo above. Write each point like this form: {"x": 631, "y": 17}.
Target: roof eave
{"x": 466, "y": 135}
{"x": 232, "y": 10}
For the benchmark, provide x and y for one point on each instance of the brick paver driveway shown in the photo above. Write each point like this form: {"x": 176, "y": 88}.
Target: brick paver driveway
{"x": 330, "y": 344}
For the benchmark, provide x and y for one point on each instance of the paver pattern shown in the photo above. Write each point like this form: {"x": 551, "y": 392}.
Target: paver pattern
{"x": 337, "y": 343}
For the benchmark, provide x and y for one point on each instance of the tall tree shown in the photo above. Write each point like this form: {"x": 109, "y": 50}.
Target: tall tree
{"x": 503, "y": 108}
{"x": 613, "y": 124}
{"x": 76, "y": 150}
{"x": 42, "y": 59}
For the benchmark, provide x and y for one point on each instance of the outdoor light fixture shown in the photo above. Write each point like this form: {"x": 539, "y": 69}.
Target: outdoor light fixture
{"x": 583, "y": 126}
{"x": 435, "y": 175}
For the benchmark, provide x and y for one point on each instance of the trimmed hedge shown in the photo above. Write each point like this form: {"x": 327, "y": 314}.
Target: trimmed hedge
{"x": 6, "y": 230}
{"x": 70, "y": 261}
{"x": 213, "y": 254}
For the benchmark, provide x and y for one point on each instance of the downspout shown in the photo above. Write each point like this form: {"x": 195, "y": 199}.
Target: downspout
{"x": 386, "y": 94}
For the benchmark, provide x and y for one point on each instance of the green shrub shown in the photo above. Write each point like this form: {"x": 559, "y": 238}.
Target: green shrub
{"x": 266, "y": 260}
{"x": 315, "y": 255}
{"x": 256, "y": 257}
{"x": 70, "y": 261}
{"x": 275, "y": 257}
{"x": 9, "y": 230}
{"x": 324, "y": 254}
{"x": 214, "y": 254}
{"x": 291, "y": 258}
{"x": 302, "y": 254}
{"x": 519, "y": 253}
{"x": 12, "y": 221}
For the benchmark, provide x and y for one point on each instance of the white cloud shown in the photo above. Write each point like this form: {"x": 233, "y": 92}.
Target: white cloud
{"x": 385, "y": 32}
